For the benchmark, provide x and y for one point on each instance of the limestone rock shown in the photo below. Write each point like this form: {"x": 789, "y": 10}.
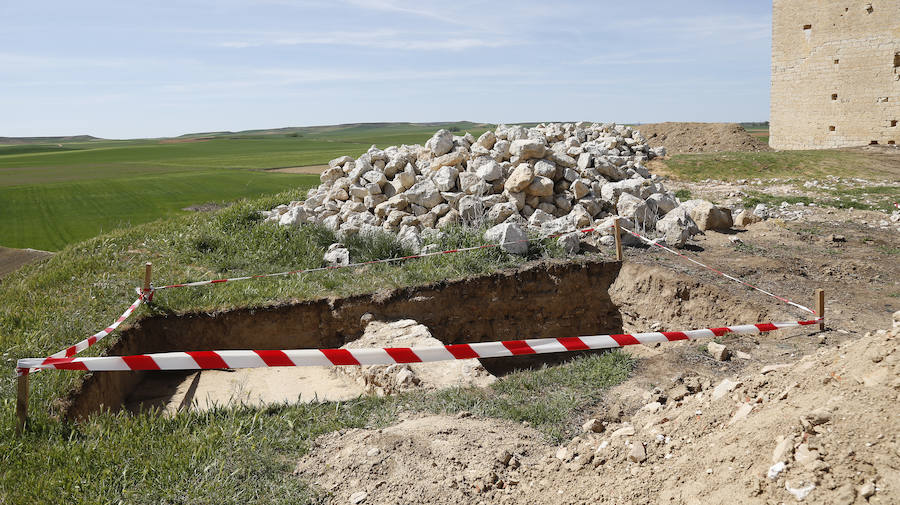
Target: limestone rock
{"x": 746, "y": 218}
{"x": 708, "y": 216}
{"x": 337, "y": 255}
{"x": 511, "y": 236}
{"x": 520, "y": 178}
{"x": 718, "y": 351}
{"x": 527, "y": 148}
{"x": 440, "y": 143}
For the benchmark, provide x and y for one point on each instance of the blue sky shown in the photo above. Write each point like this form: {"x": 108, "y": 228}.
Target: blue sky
{"x": 139, "y": 69}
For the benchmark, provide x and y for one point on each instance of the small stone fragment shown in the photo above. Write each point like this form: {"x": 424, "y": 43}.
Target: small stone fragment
{"x": 867, "y": 490}
{"x": 592, "y": 426}
{"x": 638, "y": 453}
{"x": 718, "y": 351}
{"x": 358, "y": 497}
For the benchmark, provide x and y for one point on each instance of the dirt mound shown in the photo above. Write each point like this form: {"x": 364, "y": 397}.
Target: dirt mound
{"x": 433, "y": 459}
{"x": 822, "y": 428}
{"x": 700, "y": 137}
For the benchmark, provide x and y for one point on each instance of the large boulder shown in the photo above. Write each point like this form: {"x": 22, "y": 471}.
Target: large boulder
{"x": 424, "y": 193}
{"x": 707, "y": 215}
{"x": 520, "y": 178}
{"x": 639, "y": 211}
{"x": 526, "y": 149}
{"x": 511, "y": 236}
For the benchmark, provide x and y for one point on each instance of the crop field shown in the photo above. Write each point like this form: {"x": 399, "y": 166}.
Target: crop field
{"x": 55, "y": 194}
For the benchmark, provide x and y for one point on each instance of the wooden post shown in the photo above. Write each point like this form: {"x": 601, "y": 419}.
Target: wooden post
{"x": 619, "y": 256}
{"x": 21, "y": 402}
{"x": 820, "y": 307}
{"x": 148, "y": 272}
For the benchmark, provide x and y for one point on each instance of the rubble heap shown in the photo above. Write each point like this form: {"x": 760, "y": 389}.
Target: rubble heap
{"x": 551, "y": 179}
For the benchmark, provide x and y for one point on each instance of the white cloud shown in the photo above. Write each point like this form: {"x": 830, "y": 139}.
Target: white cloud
{"x": 441, "y": 12}
{"x": 382, "y": 39}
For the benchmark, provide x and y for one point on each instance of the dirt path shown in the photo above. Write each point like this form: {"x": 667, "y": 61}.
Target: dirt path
{"x": 309, "y": 169}
{"x": 13, "y": 259}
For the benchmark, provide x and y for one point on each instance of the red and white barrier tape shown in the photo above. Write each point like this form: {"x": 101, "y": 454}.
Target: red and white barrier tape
{"x": 148, "y": 296}
{"x": 723, "y": 274}
{"x": 72, "y": 350}
{"x": 205, "y": 360}
{"x": 66, "y": 354}
{"x": 363, "y": 263}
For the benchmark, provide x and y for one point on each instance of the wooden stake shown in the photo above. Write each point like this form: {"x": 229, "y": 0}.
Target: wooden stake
{"x": 148, "y": 273}
{"x": 21, "y": 403}
{"x": 820, "y": 307}
{"x": 619, "y": 256}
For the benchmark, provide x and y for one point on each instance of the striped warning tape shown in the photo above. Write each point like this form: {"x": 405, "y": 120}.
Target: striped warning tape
{"x": 206, "y": 360}
{"x": 72, "y": 350}
{"x": 147, "y": 296}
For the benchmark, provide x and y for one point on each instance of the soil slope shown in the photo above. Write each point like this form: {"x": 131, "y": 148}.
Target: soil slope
{"x": 822, "y": 428}
{"x": 700, "y": 137}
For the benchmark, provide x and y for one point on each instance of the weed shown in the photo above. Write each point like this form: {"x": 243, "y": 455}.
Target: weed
{"x": 683, "y": 194}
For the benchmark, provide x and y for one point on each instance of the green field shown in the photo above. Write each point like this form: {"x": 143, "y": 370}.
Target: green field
{"x": 54, "y": 194}
{"x": 50, "y": 216}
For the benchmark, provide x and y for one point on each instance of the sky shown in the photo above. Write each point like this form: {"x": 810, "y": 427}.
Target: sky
{"x": 128, "y": 69}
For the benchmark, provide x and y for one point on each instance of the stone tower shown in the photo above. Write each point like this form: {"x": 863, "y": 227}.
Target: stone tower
{"x": 835, "y": 73}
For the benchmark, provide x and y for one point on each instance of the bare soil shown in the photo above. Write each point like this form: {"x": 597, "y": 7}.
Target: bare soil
{"x": 700, "y": 137}
{"x": 12, "y": 259}
{"x": 697, "y": 448}
{"x": 822, "y": 428}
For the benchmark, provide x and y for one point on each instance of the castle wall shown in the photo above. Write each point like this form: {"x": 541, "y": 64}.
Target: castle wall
{"x": 835, "y": 73}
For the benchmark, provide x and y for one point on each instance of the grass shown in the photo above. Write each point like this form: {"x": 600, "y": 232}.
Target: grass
{"x": 795, "y": 164}
{"x": 864, "y": 198}
{"x": 229, "y": 455}
{"x": 683, "y": 194}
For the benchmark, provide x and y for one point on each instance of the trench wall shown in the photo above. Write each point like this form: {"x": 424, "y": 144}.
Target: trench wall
{"x": 540, "y": 301}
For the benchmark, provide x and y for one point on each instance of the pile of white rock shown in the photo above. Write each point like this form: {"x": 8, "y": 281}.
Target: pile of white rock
{"x": 552, "y": 179}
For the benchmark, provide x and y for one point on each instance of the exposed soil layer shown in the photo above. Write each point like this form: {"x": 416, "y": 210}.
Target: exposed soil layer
{"x": 700, "y": 137}
{"x": 539, "y": 300}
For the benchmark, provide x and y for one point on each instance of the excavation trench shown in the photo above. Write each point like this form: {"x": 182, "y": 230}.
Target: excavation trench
{"x": 542, "y": 300}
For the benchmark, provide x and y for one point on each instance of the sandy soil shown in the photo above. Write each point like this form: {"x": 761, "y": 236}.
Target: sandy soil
{"x": 13, "y": 259}
{"x": 820, "y": 429}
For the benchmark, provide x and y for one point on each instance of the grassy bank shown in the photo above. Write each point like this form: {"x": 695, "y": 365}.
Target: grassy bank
{"x": 234, "y": 455}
